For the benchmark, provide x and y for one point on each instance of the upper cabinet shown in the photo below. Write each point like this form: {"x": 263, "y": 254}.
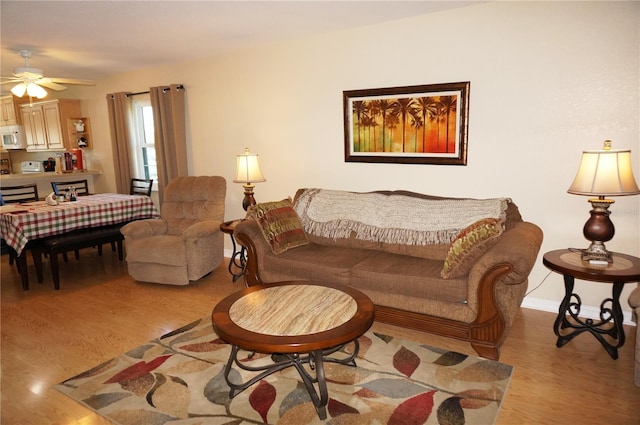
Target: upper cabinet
{"x": 45, "y": 124}
{"x": 8, "y": 115}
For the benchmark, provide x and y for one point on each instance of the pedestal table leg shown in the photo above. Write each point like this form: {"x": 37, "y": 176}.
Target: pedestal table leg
{"x": 609, "y": 322}
{"x": 314, "y": 359}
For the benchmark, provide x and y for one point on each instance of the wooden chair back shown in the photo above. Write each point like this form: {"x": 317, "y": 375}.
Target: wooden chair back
{"x": 141, "y": 187}
{"x": 81, "y": 186}
{"x": 16, "y": 194}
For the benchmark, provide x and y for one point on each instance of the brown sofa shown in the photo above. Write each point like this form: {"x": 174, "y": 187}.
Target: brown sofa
{"x": 405, "y": 279}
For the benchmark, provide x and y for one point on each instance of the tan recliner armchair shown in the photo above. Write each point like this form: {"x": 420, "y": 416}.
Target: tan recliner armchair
{"x": 186, "y": 243}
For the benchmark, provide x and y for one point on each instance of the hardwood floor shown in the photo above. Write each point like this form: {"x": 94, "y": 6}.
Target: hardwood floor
{"x": 100, "y": 312}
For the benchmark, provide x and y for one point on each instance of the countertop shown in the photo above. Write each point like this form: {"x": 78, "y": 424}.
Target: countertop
{"x": 49, "y": 175}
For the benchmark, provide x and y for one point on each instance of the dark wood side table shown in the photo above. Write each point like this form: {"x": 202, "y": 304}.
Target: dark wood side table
{"x": 624, "y": 269}
{"x": 238, "y": 261}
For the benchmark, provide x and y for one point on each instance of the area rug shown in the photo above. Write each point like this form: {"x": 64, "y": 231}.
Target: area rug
{"x": 178, "y": 379}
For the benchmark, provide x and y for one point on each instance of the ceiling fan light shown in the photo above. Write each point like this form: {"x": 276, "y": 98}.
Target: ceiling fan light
{"x": 36, "y": 91}
{"x": 19, "y": 89}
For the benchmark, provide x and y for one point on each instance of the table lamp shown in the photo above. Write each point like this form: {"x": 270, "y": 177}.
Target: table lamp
{"x": 248, "y": 172}
{"x": 605, "y": 172}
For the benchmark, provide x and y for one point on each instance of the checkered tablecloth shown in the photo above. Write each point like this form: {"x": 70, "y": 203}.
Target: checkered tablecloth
{"x": 20, "y": 223}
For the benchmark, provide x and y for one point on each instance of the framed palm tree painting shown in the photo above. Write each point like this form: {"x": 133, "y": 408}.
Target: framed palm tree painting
{"x": 425, "y": 124}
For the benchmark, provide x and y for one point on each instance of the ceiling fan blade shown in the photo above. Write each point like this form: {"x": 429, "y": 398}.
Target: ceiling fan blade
{"x": 46, "y": 82}
{"x": 10, "y": 81}
{"x": 73, "y": 81}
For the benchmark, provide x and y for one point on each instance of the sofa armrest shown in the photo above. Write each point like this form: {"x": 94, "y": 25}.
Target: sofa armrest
{"x": 497, "y": 282}
{"x": 248, "y": 234}
{"x": 144, "y": 228}
{"x": 517, "y": 247}
{"x": 202, "y": 229}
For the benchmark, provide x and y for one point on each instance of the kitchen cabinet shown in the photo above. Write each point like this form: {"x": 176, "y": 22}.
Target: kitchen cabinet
{"x": 45, "y": 124}
{"x": 8, "y": 114}
{"x": 34, "y": 129}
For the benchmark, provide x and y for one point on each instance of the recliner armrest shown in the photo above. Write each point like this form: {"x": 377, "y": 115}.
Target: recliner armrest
{"x": 144, "y": 228}
{"x": 202, "y": 229}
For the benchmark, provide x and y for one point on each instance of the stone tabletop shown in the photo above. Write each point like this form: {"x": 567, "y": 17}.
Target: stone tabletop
{"x": 293, "y": 310}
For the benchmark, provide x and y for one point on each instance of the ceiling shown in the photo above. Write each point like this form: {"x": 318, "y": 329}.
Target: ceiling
{"x": 94, "y": 39}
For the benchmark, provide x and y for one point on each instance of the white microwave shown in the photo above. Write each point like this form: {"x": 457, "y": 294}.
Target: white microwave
{"x": 13, "y": 137}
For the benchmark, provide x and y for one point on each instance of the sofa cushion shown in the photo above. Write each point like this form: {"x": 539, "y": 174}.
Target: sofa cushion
{"x": 469, "y": 245}
{"x": 280, "y": 225}
{"x": 413, "y": 277}
{"x": 314, "y": 262}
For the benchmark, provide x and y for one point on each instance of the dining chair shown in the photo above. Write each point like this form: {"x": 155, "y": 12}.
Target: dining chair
{"x": 141, "y": 187}
{"x": 81, "y": 187}
{"x": 22, "y": 193}
{"x": 15, "y": 195}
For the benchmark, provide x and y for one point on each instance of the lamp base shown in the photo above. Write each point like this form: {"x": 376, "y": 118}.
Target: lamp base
{"x": 598, "y": 229}
{"x": 596, "y": 252}
{"x": 248, "y": 199}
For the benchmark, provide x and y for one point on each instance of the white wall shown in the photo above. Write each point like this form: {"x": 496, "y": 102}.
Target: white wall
{"x": 548, "y": 79}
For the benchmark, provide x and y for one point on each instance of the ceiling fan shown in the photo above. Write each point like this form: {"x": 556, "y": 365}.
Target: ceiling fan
{"x": 31, "y": 80}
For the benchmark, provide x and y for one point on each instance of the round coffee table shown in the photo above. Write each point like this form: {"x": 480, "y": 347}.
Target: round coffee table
{"x": 297, "y": 323}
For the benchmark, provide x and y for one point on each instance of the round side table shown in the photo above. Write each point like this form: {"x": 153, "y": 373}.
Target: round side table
{"x": 623, "y": 269}
{"x": 238, "y": 260}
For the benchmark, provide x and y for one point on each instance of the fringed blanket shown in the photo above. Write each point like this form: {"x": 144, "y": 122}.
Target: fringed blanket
{"x": 395, "y": 219}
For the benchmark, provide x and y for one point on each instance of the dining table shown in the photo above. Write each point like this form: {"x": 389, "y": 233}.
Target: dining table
{"x": 24, "y": 223}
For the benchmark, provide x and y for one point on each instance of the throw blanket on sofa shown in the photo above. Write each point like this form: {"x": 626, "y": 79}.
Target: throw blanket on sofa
{"x": 395, "y": 219}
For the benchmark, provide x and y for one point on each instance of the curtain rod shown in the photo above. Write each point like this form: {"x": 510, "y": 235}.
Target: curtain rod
{"x": 136, "y": 94}
{"x": 180, "y": 87}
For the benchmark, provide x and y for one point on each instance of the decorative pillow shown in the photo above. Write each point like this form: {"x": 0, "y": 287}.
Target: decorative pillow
{"x": 469, "y": 245}
{"x": 280, "y": 225}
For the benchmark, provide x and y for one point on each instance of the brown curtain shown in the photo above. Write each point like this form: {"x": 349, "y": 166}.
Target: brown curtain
{"x": 168, "y": 104}
{"x": 119, "y": 105}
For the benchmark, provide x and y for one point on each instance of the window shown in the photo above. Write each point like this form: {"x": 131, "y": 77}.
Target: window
{"x": 144, "y": 160}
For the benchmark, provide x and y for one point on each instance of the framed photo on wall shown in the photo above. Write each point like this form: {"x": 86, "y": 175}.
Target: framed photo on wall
{"x": 425, "y": 124}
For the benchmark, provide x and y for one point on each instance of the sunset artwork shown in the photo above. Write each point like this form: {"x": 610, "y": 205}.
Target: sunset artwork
{"x": 429, "y": 126}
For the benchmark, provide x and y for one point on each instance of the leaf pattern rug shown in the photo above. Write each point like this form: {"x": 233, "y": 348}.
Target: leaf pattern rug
{"x": 178, "y": 379}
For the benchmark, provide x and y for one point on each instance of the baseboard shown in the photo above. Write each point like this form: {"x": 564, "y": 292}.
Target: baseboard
{"x": 590, "y": 312}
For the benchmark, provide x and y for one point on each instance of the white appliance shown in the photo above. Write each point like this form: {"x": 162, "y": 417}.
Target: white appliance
{"x": 32, "y": 167}
{"x": 13, "y": 137}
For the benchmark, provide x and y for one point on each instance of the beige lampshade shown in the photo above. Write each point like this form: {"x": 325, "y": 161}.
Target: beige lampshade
{"x": 248, "y": 169}
{"x": 605, "y": 172}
